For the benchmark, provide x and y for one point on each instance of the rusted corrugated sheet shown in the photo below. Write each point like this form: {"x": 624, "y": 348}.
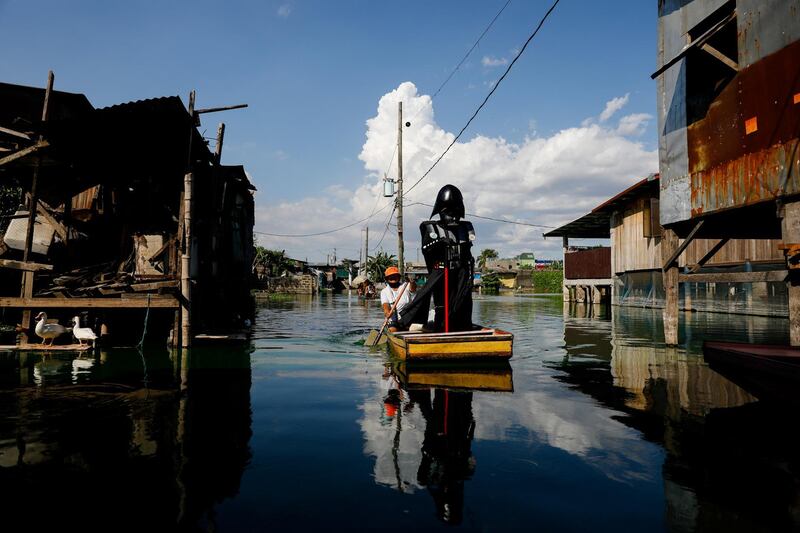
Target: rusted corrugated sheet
{"x": 594, "y": 263}
{"x": 744, "y": 149}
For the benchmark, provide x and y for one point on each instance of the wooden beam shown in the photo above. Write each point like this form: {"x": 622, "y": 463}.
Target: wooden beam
{"x": 58, "y": 226}
{"x": 790, "y": 233}
{"x": 669, "y": 249}
{"x": 216, "y": 109}
{"x": 15, "y": 133}
{"x": 154, "y": 301}
{"x": 711, "y": 253}
{"x": 155, "y": 285}
{"x": 24, "y": 152}
{"x": 719, "y": 55}
{"x": 679, "y": 250}
{"x": 734, "y": 277}
{"x": 30, "y": 266}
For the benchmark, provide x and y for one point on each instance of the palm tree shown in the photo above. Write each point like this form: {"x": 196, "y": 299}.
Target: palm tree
{"x": 377, "y": 264}
{"x": 486, "y": 254}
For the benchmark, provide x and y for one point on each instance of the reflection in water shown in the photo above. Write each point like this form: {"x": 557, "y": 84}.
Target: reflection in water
{"x": 606, "y": 428}
{"x": 732, "y": 462}
{"x": 426, "y": 429}
{"x": 95, "y": 436}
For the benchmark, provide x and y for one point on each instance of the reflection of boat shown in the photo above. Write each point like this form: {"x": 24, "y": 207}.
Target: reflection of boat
{"x": 761, "y": 369}
{"x": 495, "y": 377}
{"x": 482, "y": 343}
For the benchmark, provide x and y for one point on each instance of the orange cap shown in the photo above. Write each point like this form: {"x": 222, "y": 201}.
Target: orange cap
{"x": 391, "y": 271}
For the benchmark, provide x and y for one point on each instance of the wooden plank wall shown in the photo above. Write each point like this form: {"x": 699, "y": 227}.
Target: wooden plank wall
{"x": 633, "y": 251}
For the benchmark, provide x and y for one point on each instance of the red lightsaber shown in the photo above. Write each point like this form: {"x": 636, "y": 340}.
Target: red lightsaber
{"x": 446, "y": 300}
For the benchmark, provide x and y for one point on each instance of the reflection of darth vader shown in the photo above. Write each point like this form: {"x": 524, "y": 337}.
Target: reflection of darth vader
{"x": 447, "y": 459}
{"x": 446, "y": 245}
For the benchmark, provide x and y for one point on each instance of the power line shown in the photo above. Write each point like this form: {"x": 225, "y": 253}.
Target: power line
{"x": 324, "y": 232}
{"x": 473, "y": 215}
{"x": 496, "y": 85}
{"x": 385, "y": 229}
{"x": 470, "y": 50}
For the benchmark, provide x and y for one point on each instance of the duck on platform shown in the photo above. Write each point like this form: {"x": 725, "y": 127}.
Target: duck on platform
{"x": 48, "y": 331}
{"x": 82, "y": 334}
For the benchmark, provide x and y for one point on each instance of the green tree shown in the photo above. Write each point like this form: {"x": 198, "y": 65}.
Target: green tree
{"x": 486, "y": 254}
{"x": 272, "y": 263}
{"x": 377, "y": 264}
{"x": 490, "y": 283}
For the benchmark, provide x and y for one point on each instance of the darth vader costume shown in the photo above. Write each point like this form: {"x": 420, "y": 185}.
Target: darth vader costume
{"x": 446, "y": 245}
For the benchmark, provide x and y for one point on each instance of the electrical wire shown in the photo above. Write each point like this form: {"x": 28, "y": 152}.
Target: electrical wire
{"x": 473, "y": 215}
{"x": 471, "y": 49}
{"x": 386, "y": 228}
{"x": 496, "y": 85}
{"x": 340, "y": 228}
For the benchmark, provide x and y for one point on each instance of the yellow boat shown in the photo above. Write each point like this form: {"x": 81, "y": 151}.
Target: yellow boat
{"x": 480, "y": 343}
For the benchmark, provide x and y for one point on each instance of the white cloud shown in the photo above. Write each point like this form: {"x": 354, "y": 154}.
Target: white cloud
{"x": 285, "y": 10}
{"x": 612, "y": 106}
{"x": 546, "y": 180}
{"x": 280, "y": 155}
{"x": 491, "y": 61}
{"x": 634, "y": 124}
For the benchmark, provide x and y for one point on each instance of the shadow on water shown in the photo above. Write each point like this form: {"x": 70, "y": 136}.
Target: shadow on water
{"x": 94, "y": 440}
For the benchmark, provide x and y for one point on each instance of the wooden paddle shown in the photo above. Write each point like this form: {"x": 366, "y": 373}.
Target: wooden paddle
{"x": 375, "y": 336}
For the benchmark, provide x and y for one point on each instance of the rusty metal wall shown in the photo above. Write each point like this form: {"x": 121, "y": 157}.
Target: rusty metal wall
{"x": 745, "y": 149}
{"x": 594, "y": 263}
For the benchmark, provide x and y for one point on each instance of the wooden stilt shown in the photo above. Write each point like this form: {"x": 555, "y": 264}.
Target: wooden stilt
{"x": 790, "y": 230}
{"x": 669, "y": 245}
{"x": 26, "y": 290}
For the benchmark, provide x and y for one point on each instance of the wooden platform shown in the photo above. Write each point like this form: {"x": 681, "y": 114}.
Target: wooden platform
{"x": 45, "y": 348}
{"x": 139, "y": 302}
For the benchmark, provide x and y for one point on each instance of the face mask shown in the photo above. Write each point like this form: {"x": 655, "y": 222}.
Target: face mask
{"x": 394, "y": 284}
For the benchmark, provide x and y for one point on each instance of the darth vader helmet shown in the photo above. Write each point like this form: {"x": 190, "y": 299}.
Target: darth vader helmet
{"x": 449, "y": 204}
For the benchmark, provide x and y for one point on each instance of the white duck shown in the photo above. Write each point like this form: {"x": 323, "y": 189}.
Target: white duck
{"x": 48, "y": 331}
{"x": 82, "y": 334}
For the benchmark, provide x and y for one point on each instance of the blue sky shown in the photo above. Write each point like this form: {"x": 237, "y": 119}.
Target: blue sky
{"x": 314, "y": 71}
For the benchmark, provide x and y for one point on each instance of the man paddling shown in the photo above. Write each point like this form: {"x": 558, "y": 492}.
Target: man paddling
{"x": 390, "y": 294}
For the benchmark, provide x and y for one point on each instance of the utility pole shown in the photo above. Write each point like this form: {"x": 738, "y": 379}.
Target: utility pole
{"x": 400, "y": 245}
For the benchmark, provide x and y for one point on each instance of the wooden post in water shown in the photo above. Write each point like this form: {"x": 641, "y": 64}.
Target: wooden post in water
{"x": 669, "y": 244}
{"x": 790, "y": 234}
{"x": 26, "y": 290}
{"x": 186, "y": 256}
{"x": 186, "y": 263}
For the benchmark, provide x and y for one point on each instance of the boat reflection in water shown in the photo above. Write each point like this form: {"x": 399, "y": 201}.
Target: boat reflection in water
{"x": 424, "y": 440}
{"x": 153, "y": 441}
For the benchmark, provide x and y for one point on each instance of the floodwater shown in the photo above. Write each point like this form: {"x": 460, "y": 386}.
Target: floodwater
{"x": 593, "y": 425}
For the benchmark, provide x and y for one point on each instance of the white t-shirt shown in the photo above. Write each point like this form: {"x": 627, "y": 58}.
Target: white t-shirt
{"x": 389, "y": 295}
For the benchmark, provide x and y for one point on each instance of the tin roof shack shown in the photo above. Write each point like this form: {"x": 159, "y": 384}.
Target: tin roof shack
{"x": 729, "y": 118}
{"x": 632, "y": 266}
{"x": 132, "y": 228}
